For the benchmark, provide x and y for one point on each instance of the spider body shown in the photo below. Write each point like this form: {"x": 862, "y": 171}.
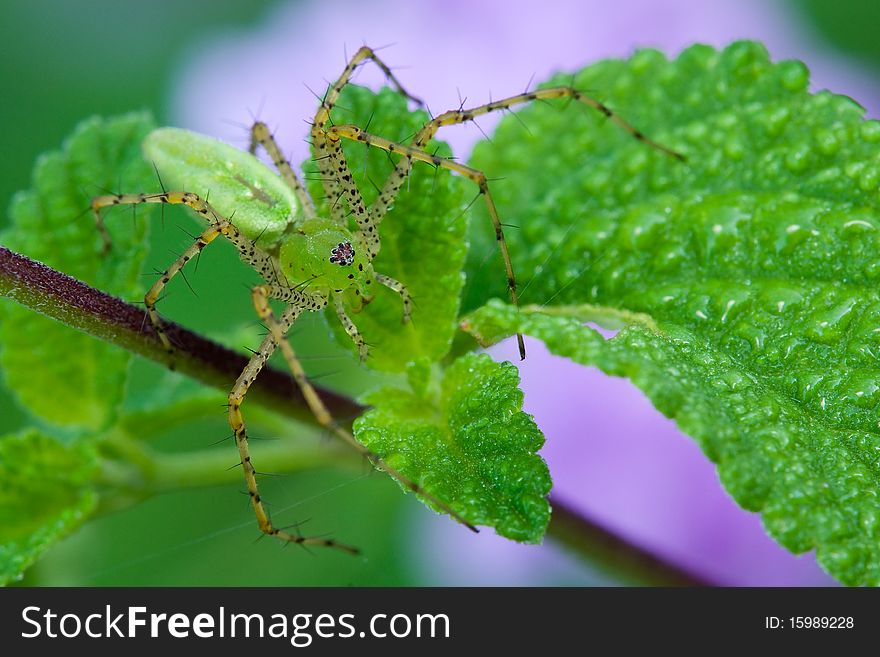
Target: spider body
{"x": 307, "y": 251}
{"x": 329, "y": 257}
{"x": 307, "y": 260}
{"x": 236, "y": 183}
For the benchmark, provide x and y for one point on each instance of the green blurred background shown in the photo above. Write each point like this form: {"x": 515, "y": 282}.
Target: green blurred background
{"x": 64, "y": 61}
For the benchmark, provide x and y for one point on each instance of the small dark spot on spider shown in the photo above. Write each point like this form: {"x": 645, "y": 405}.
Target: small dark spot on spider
{"x": 342, "y": 254}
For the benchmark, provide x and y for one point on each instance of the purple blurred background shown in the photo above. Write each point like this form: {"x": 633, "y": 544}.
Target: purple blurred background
{"x": 626, "y": 466}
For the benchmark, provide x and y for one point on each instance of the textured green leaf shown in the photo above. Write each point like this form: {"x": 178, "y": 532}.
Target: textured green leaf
{"x": 467, "y": 442}
{"x": 46, "y": 493}
{"x": 780, "y": 187}
{"x": 757, "y": 260}
{"x": 814, "y": 483}
{"x": 66, "y": 377}
{"x": 423, "y": 237}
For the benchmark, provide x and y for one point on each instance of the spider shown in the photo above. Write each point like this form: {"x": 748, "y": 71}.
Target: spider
{"x": 307, "y": 260}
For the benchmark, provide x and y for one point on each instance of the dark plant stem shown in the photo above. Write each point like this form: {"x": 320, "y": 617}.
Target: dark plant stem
{"x": 72, "y": 302}
{"x": 75, "y": 304}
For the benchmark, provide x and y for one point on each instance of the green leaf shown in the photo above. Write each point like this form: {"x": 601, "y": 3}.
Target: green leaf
{"x": 775, "y": 184}
{"x": 63, "y": 376}
{"x": 467, "y": 442}
{"x": 757, "y": 260}
{"x": 46, "y": 493}
{"x": 815, "y": 483}
{"x": 423, "y": 237}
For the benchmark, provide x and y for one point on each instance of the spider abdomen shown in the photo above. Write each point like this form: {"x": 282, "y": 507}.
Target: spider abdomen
{"x": 238, "y": 185}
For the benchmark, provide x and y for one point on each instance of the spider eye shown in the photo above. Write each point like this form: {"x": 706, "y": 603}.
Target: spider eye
{"x": 342, "y": 254}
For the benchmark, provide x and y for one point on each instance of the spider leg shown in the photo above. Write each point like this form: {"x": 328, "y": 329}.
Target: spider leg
{"x": 415, "y": 151}
{"x": 367, "y": 233}
{"x": 476, "y": 176}
{"x": 155, "y": 292}
{"x": 261, "y": 295}
{"x": 325, "y": 156}
{"x": 453, "y": 117}
{"x": 400, "y": 288}
{"x": 236, "y": 421}
{"x": 363, "y": 54}
{"x": 262, "y": 136}
{"x": 350, "y": 328}
{"x": 395, "y": 180}
{"x": 250, "y": 253}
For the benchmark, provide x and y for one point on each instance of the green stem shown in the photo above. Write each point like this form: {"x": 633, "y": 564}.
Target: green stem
{"x": 181, "y": 413}
{"x": 212, "y": 468}
{"x": 142, "y": 472}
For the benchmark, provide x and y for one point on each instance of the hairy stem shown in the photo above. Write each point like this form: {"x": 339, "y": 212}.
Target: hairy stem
{"x": 74, "y": 303}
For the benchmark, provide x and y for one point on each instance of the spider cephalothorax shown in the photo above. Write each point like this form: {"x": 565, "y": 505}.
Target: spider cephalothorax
{"x": 342, "y": 254}
{"x": 325, "y": 258}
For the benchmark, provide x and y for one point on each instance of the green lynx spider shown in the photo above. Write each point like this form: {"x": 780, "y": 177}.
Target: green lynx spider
{"x": 307, "y": 260}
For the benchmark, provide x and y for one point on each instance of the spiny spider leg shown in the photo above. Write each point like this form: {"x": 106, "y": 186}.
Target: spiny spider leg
{"x": 249, "y": 252}
{"x": 350, "y": 328}
{"x": 400, "y": 288}
{"x": 395, "y": 180}
{"x": 463, "y": 115}
{"x": 363, "y": 54}
{"x": 262, "y": 136}
{"x": 261, "y": 295}
{"x": 326, "y": 160}
{"x": 236, "y": 421}
{"x": 336, "y": 133}
{"x": 155, "y": 292}
{"x": 393, "y": 183}
{"x": 367, "y": 234}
